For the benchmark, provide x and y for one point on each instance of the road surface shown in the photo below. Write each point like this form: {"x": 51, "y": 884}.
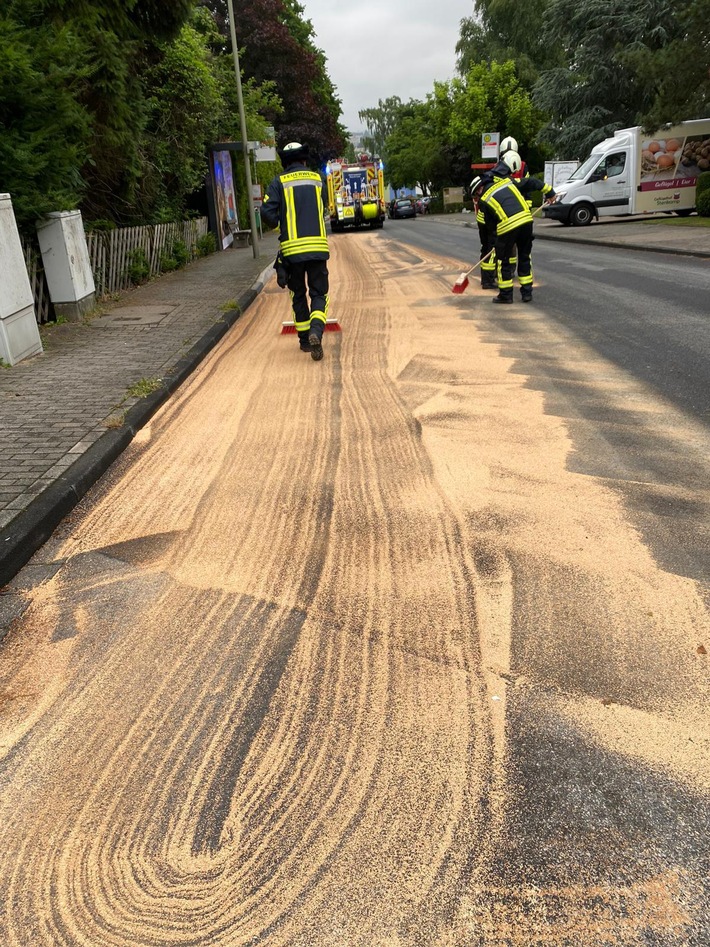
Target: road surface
{"x": 405, "y": 647}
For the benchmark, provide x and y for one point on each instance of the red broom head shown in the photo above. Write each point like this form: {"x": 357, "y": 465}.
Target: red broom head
{"x": 461, "y": 284}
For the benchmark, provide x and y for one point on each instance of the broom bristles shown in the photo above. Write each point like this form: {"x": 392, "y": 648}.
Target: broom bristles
{"x": 461, "y": 284}
{"x": 332, "y": 325}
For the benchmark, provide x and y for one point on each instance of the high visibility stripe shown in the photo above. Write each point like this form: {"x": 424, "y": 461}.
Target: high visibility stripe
{"x": 318, "y": 316}
{"x": 304, "y": 245}
{"x": 302, "y": 326}
{"x": 321, "y": 214}
{"x": 290, "y": 202}
{"x": 505, "y": 226}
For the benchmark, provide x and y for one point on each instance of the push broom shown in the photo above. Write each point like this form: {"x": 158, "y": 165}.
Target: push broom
{"x": 461, "y": 284}
{"x": 289, "y": 328}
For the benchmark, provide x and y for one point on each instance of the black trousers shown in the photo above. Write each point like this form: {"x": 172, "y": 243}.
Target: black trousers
{"x": 522, "y": 238}
{"x": 488, "y": 267}
{"x": 309, "y": 318}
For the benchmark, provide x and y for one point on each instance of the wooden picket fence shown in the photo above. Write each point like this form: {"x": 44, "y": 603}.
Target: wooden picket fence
{"x": 115, "y": 252}
{"x": 44, "y": 311}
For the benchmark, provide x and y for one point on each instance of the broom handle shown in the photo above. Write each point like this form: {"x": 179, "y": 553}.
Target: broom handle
{"x": 478, "y": 263}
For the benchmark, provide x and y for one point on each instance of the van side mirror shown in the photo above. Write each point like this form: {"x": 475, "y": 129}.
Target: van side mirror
{"x": 598, "y": 176}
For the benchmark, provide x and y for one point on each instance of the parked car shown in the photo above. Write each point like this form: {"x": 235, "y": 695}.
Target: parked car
{"x": 401, "y": 207}
{"x": 422, "y": 205}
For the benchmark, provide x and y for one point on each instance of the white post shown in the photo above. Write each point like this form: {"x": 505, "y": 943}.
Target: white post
{"x": 19, "y": 335}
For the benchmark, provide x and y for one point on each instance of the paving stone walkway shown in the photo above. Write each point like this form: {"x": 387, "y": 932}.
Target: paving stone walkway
{"x": 55, "y": 406}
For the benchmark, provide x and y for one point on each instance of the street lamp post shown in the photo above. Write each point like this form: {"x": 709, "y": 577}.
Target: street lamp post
{"x": 243, "y": 123}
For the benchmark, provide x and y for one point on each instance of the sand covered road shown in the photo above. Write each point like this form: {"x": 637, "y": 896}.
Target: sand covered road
{"x": 346, "y": 653}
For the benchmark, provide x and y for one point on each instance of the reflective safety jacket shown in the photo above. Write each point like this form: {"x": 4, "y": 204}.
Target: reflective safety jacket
{"x": 294, "y": 200}
{"x": 503, "y": 204}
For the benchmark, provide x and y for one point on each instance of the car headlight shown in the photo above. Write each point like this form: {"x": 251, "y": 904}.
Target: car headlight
{"x": 560, "y": 196}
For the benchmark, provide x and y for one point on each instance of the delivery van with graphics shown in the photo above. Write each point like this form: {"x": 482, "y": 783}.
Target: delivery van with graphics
{"x": 636, "y": 173}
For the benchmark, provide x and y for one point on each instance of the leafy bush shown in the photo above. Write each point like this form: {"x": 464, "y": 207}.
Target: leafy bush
{"x": 139, "y": 268}
{"x": 180, "y": 253}
{"x": 703, "y": 203}
{"x": 168, "y": 263}
{"x": 206, "y": 244}
{"x": 99, "y": 226}
{"x": 703, "y": 182}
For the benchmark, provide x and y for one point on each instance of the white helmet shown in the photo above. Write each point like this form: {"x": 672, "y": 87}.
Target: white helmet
{"x": 508, "y": 144}
{"x": 513, "y": 160}
{"x": 477, "y": 181}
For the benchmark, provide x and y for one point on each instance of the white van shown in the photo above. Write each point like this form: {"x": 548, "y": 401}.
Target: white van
{"x": 636, "y": 173}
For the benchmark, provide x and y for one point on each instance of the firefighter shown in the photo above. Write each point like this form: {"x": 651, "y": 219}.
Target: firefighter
{"x": 508, "y": 145}
{"x": 505, "y": 208}
{"x": 487, "y": 235}
{"x": 295, "y": 200}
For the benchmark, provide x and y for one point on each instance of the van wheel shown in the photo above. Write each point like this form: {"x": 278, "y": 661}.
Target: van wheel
{"x": 582, "y": 215}
{"x": 686, "y": 212}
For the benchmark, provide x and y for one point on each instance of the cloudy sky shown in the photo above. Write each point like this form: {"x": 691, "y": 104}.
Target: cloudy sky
{"x": 379, "y": 48}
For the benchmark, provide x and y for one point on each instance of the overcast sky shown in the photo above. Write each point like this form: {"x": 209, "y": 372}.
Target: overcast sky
{"x": 379, "y": 48}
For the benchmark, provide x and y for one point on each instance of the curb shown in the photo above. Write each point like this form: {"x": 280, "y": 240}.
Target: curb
{"x": 613, "y": 244}
{"x": 31, "y": 528}
{"x": 617, "y": 245}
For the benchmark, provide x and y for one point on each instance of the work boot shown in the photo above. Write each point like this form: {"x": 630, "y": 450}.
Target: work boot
{"x": 489, "y": 282}
{"x": 526, "y": 294}
{"x": 305, "y": 346}
{"x": 316, "y": 346}
{"x": 500, "y": 298}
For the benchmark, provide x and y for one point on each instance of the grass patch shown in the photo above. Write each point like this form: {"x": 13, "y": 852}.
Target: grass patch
{"x": 115, "y": 421}
{"x": 230, "y": 306}
{"x": 145, "y": 386}
{"x": 694, "y": 221}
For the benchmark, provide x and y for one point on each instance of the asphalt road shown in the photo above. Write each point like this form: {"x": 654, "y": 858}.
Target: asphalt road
{"x": 646, "y": 317}
{"x": 404, "y": 647}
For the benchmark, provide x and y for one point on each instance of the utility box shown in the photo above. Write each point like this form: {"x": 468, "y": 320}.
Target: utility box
{"x": 19, "y": 335}
{"x": 67, "y": 267}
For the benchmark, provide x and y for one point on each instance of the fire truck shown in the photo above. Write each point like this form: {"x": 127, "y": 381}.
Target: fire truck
{"x": 356, "y": 193}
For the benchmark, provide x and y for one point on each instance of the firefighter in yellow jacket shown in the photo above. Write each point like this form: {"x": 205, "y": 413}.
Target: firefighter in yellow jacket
{"x": 294, "y": 200}
{"x": 506, "y": 212}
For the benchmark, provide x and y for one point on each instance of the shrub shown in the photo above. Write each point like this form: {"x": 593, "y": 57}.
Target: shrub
{"x": 99, "y": 226}
{"x": 168, "y": 263}
{"x": 180, "y": 253}
{"x": 703, "y": 182}
{"x": 703, "y": 203}
{"x": 206, "y": 244}
{"x": 139, "y": 268}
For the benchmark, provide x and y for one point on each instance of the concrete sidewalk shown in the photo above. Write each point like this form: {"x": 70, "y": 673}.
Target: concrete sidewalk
{"x": 67, "y": 414}
{"x": 662, "y": 234}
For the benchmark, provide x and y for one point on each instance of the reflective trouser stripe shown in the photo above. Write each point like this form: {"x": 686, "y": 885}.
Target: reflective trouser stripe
{"x": 318, "y": 317}
{"x": 525, "y": 279}
{"x": 504, "y": 283}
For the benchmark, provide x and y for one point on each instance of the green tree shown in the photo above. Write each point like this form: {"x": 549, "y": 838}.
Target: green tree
{"x": 489, "y": 98}
{"x": 380, "y": 122}
{"x": 417, "y": 152}
{"x": 278, "y": 47}
{"x": 505, "y": 30}
{"x": 601, "y": 88}
{"x": 679, "y": 72}
{"x": 44, "y": 128}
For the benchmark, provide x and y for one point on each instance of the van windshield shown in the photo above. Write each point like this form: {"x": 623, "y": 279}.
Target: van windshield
{"x": 584, "y": 169}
